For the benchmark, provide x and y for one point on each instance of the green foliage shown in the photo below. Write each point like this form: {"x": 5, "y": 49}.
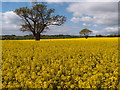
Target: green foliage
{"x": 38, "y": 18}
{"x": 85, "y": 32}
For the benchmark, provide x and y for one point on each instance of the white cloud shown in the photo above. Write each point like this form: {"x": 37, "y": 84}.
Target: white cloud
{"x": 102, "y": 0}
{"x": 55, "y": 0}
{"x": 1, "y": 13}
{"x": 84, "y": 18}
{"x": 61, "y": 0}
{"x": 103, "y": 13}
{"x": 11, "y": 29}
{"x": 11, "y": 24}
{"x": 7, "y": 0}
{"x": 98, "y": 13}
{"x": 75, "y": 19}
{"x": 11, "y": 18}
{"x": 86, "y": 25}
{"x": 87, "y": 19}
{"x": 107, "y": 31}
{"x": 64, "y": 29}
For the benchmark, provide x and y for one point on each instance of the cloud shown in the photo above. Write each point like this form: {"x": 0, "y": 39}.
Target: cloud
{"x": 104, "y": 13}
{"x": 102, "y": 0}
{"x": 12, "y": 0}
{"x": 107, "y": 31}
{"x": 11, "y": 24}
{"x": 75, "y": 19}
{"x": 97, "y": 13}
{"x": 86, "y": 25}
{"x": 11, "y": 18}
{"x": 34, "y": 0}
{"x": 61, "y": 0}
{"x": 74, "y": 30}
{"x": 11, "y": 29}
{"x": 86, "y": 19}
{"x": 55, "y": 0}
{"x": 64, "y": 29}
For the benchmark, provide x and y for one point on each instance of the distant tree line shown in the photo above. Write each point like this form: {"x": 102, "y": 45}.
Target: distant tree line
{"x": 114, "y": 35}
{"x": 14, "y": 37}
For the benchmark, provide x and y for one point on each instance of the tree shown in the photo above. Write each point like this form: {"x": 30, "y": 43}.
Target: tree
{"x": 38, "y": 18}
{"x": 85, "y": 32}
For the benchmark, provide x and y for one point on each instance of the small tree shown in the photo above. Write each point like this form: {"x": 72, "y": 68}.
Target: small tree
{"x": 85, "y": 32}
{"x": 38, "y": 18}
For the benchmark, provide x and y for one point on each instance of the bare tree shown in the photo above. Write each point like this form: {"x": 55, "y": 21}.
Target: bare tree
{"x": 37, "y": 18}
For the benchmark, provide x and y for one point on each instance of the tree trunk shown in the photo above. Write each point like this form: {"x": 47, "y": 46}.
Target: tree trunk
{"x": 86, "y": 36}
{"x": 37, "y": 36}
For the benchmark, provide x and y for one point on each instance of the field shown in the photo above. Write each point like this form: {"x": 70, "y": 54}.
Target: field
{"x": 60, "y": 63}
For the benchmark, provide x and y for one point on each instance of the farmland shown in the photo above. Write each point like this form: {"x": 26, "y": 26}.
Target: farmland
{"x": 60, "y": 63}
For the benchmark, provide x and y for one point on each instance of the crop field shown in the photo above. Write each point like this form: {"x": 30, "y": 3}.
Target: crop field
{"x": 60, "y": 63}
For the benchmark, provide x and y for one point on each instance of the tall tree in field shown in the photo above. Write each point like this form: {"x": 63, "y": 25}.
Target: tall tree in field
{"x": 38, "y": 18}
{"x": 85, "y": 32}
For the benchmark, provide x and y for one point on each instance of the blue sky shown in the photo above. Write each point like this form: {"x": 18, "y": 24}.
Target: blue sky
{"x": 79, "y": 15}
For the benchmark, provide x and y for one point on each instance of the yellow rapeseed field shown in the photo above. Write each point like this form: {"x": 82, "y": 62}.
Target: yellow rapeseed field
{"x": 60, "y": 63}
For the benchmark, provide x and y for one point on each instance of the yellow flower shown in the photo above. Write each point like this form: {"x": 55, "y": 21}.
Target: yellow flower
{"x": 72, "y": 86}
{"x": 61, "y": 63}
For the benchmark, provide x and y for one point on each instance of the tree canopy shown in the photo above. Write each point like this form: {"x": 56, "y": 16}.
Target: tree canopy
{"x": 85, "y": 32}
{"x": 38, "y": 18}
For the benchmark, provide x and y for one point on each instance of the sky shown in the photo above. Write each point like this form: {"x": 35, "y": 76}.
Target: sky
{"x": 99, "y": 17}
